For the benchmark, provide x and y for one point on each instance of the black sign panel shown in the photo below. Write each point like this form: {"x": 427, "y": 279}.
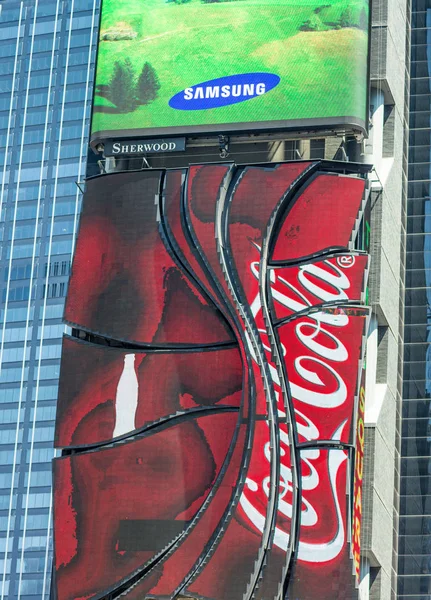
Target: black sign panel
{"x": 142, "y": 147}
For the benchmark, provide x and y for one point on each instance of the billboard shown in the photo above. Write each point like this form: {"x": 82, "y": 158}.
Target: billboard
{"x": 212, "y": 456}
{"x": 196, "y": 66}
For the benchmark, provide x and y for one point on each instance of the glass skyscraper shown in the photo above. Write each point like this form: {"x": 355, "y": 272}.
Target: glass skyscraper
{"x": 47, "y": 53}
{"x": 414, "y": 565}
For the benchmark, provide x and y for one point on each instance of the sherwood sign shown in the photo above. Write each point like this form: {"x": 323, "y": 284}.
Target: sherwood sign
{"x": 141, "y": 147}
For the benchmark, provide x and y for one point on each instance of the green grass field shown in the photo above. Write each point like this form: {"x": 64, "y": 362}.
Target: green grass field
{"x": 323, "y": 73}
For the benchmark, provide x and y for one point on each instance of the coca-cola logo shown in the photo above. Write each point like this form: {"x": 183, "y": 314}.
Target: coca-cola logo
{"x": 319, "y": 351}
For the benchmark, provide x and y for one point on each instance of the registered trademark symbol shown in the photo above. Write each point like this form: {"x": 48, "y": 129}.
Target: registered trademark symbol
{"x": 346, "y": 261}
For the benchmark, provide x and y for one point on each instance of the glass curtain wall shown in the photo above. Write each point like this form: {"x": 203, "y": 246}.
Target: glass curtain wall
{"x": 47, "y": 52}
{"x": 414, "y": 563}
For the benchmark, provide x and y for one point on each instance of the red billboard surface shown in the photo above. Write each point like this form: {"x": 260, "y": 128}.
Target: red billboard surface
{"x": 209, "y": 418}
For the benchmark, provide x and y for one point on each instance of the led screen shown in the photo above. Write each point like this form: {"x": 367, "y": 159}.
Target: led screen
{"x": 184, "y": 66}
{"x": 211, "y": 429}
{"x": 125, "y": 284}
{"x": 107, "y": 393}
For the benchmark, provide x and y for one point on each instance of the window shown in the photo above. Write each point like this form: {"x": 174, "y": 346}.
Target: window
{"x": 19, "y": 272}
{"x": 38, "y": 99}
{"x": 32, "y": 154}
{"x": 70, "y": 132}
{"x": 58, "y": 268}
{"x": 68, "y": 170}
{"x": 64, "y": 208}
{"x": 39, "y": 500}
{"x": 9, "y": 14}
{"x": 39, "y": 81}
{"x": 39, "y": 478}
{"x": 4, "y": 121}
{"x": 9, "y": 415}
{"x": 32, "y": 542}
{"x": 6, "y": 563}
{"x": 5, "y": 480}
{"x": 29, "y": 192}
{"x": 36, "y": 116}
{"x": 81, "y": 22}
{"x": 8, "y": 436}
{"x": 10, "y": 375}
{"x": 83, "y": 5}
{"x": 6, "y": 458}
{"x": 78, "y": 58}
{"x": 44, "y": 413}
{"x": 65, "y": 188}
{"x": 4, "y": 522}
{"x": 22, "y": 232}
{"x": 71, "y": 150}
{"x": 7, "y": 67}
{"x": 16, "y": 314}
{"x": 26, "y": 212}
{"x": 53, "y": 311}
{"x": 317, "y": 148}
{"x": 31, "y": 174}
{"x": 48, "y": 372}
{"x": 9, "y": 396}
{"x": 41, "y": 455}
{"x": 49, "y": 352}
{"x": 17, "y": 334}
{"x": 43, "y": 27}
{"x": 43, "y": 44}
{"x": 33, "y": 136}
{"x": 5, "y": 85}
{"x": 14, "y": 355}
{"x": 9, "y": 49}
{"x": 47, "y": 392}
{"x": 5, "y": 101}
{"x": 63, "y": 227}
{"x": 63, "y": 247}
{"x": 46, "y": 9}
{"x": 9, "y": 33}
{"x": 17, "y": 294}
{"x": 3, "y": 544}
{"x": 39, "y": 63}
{"x": 43, "y": 434}
{"x": 54, "y": 290}
{"x": 80, "y": 39}
{"x": 24, "y": 251}
{"x": 32, "y": 565}
{"x": 37, "y": 522}
{"x": 73, "y": 113}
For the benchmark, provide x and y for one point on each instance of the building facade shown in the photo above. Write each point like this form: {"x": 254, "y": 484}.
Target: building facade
{"x": 415, "y": 531}
{"x": 46, "y": 64}
{"x": 47, "y": 54}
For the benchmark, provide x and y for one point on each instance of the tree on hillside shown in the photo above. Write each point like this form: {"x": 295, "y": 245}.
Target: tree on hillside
{"x": 148, "y": 84}
{"x": 314, "y": 23}
{"x": 122, "y": 86}
{"x": 320, "y": 8}
{"x": 347, "y": 18}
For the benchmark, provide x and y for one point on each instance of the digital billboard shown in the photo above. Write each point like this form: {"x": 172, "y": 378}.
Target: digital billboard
{"x": 196, "y": 66}
{"x": 214, "y": 462}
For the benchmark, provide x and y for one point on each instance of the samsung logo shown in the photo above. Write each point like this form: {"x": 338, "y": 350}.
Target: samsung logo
{"x": 224, "y": 91}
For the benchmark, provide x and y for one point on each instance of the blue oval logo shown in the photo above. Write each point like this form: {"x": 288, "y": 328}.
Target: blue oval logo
{"x": 224, "y": 91}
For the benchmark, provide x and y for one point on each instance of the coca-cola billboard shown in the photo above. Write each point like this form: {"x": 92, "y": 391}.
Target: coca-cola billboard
{"x": 209, "y": 394}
